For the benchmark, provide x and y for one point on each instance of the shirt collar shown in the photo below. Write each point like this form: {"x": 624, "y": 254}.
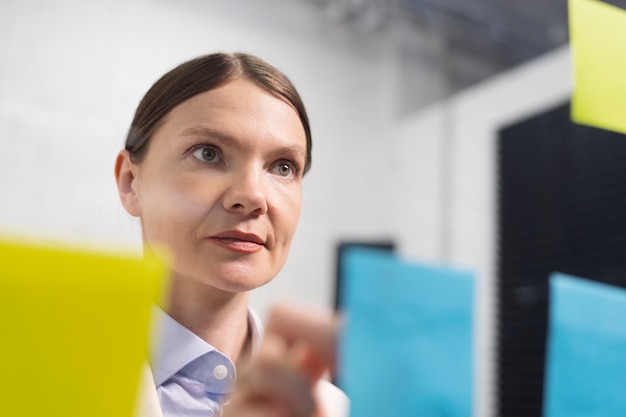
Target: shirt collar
{"x": 174, "y": 346}
{"x": 255, "y": 325}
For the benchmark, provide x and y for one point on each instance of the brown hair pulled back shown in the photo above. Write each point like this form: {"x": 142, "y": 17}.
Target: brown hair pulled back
{"x": 202, "y": 74}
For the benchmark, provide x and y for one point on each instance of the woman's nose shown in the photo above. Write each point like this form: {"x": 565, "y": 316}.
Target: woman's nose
{"x": 246, "y": 194}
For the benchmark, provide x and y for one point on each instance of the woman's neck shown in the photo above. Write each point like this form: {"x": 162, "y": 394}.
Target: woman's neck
{"x": 219, "y": 318}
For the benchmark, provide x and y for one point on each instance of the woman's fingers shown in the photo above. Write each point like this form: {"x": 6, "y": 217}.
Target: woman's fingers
{"x": 272, "y": 383}
{"x": 315, "y": 327}
{"x": 299, "y": 346}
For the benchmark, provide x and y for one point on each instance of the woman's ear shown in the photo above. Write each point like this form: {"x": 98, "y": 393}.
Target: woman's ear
{"x": 125, "y": 175}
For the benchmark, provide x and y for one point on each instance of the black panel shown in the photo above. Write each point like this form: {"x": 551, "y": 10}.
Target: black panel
{"x": 562, "y": 207}
{"x": 342, "y": 247}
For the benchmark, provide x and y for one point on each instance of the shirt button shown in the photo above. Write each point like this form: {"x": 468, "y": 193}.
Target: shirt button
{"x": 220, "y": 372}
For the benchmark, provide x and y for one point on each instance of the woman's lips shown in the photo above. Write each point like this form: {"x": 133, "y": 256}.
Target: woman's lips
{"x": 238, "y": 241}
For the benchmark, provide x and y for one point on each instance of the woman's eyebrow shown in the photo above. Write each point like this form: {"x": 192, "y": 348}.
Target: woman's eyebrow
{"x": 294, "y": 150}
{"x": 207, "y": 132}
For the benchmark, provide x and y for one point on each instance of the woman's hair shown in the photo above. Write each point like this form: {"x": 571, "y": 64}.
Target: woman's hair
{"x": 203, "y": 74}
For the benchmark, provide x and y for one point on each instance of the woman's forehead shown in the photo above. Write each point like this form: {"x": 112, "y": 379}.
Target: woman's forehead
{"x": 238, "y": 108}
{"x": 239, "y": 98}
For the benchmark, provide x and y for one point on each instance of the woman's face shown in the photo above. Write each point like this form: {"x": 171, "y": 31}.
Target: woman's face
{"x": 221, "y": 186}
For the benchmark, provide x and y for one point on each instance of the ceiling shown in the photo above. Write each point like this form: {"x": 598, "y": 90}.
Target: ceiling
{"x": 506, "y": 31}
{"x": 482, "y": 37}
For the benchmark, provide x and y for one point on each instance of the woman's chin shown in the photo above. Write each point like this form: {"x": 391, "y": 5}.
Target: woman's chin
{"x": 242, "y": 285}
{"x": 232, "y": 279}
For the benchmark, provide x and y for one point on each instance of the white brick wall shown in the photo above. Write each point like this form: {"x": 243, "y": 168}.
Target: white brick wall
{"x": 72, "y": 73}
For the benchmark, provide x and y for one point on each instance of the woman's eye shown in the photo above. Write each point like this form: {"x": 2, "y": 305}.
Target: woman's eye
{"x": 207, "y": 154}
{"x": 285, "y": 169}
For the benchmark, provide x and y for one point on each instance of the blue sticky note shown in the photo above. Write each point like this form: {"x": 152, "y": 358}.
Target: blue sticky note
{"x": 586, "y": 355}
{"x": 407, "y": 347}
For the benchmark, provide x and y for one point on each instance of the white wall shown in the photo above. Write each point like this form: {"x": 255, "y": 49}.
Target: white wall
{"x": 72, "y": 73}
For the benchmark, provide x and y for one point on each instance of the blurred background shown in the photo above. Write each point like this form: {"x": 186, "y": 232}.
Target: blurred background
{"x": 408, "y": 100}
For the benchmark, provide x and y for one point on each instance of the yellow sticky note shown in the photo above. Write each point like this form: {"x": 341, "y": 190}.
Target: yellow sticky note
{"x": 74, "y": 327}
{"x": 598, "y": 46}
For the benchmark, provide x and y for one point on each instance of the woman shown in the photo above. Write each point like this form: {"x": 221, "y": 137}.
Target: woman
{"x": 213, "y": 167}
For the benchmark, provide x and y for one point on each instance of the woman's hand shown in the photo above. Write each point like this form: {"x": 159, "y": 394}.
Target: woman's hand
{"x": 298, "y": 348}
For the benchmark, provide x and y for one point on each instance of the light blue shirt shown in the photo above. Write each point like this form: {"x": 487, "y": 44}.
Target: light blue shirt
{"x": 192, "y": 378}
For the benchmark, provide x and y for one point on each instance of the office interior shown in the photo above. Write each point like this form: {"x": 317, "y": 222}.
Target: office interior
{"x": 409, "y": 102}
